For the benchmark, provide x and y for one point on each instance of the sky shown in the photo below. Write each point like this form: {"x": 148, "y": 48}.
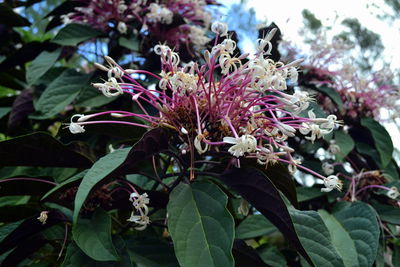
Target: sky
{"x": 287, "y": 15}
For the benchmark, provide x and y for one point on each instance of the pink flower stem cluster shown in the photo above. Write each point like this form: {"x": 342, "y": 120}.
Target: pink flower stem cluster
{"x": 221, "y": 104}
{"x": 362, "y": 95}
{"x": 105, "y": 14}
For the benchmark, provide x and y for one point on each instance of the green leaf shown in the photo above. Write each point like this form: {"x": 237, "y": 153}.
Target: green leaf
{"x": 94, "y": 237}
{"x": 332, "y": 94}
{"x": 200, "y": 225}
{"x": 254, "y": 226}
{"x": 150, "y": 251}
{"x": 387, "y": 213}
{"x": 5, "y": 230}
{"x": 100, "y": 170}
{"x": 308, "y": 193}
{"x": 76, "y": 257}
{"x": 315, "y": 238}
{"x": 346, "y": 144}
{"x": 359, "y": 220}
{"x": 4, "y": 111}
{"x": 67, "y": 182}
{"x": 73, "y": 34}
{"x": 60, "y": 93}
{"x": 271, "y": 256}
{"x": 40, "y": 65}
{"x": 131, "y": 43}
{"x": 14, "y": 200}
{"x": 341, "y": 239}
{"x": 383, "y": 141}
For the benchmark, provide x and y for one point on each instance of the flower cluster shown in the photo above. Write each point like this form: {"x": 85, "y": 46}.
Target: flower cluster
{"x": 139, "y": 215}
{"x": 329, "y": 63}
{"x": 225, "y": 104}
{"x": 117, "y": 14}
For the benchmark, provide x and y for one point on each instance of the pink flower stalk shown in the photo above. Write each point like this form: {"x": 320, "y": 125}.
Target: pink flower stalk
{"x": 222, "y": 104}
{"x": 362, "y": 95}
{"x": 101, "y": 14}
{"x": 105, "y": 14}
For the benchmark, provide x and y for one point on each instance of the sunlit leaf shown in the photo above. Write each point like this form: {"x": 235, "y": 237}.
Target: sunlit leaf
{"x": 58, "y": 94}
{"x": 40, "y": 65}
{"x": 73, "y": 34}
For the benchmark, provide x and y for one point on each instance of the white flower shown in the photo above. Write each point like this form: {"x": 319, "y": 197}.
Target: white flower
{"x": 198, "y": 36}
{"x": 122, "y": 7}
{"x": 74, "y": 127}
{"x": 143, "y": 220}
{"x": 228, "y": 45}
{"x": 110, "y": 88}
{"x": 331, "y": 122}
{"x": 333, "y": 147}
{"x": 197, "y": 144}
{"x": 139, "y": 201}
{"x": 243, "y": 207}
{"x": 160, "y": 14}
{"x": 122, "y": 27}
{"x": 241, "y": 145}
{"x": 316, "y": 131}
{"x": 43, "y": 217}
{"x": 220, "y": 28}
{"x": 393, "y": 193}
{"x": 328, "y": 168}
{"x": 332, "y": 182}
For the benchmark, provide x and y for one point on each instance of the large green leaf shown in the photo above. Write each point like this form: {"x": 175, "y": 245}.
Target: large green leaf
{"x": 359, "y": 220}
{"x": 346, "y": 144}
{"x": 73, "y": 34}
{"x": 60, "y": 93}
{"x": 100, "y": 170}
{"x": 315, "y": 238}
{"x": 383, "y": 141}
{"x": 341, "y": 239}
{"x": 40, "y": 65}
{"x": 200, "y": 225}
{"x": 254, "y": 226}
{"x": 94, "y": 237}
